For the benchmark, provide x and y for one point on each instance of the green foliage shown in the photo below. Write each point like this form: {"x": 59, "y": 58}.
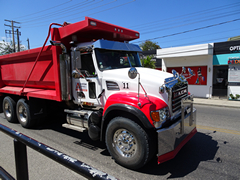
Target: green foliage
{"x": 7, "y": 48}
{"x": 234, "y": 97}
{"x": 231, "y": 96}
{"x": 149, "y": 45}
{"x": 146, "y": 62}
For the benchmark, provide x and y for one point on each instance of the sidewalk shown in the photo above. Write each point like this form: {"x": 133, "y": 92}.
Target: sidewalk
{"x": 217, "y": 102}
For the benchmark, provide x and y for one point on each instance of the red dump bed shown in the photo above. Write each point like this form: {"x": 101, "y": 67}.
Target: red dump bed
{"x": 44, "y": 82}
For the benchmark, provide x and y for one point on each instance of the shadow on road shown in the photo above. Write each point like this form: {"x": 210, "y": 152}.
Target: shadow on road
{"x": 84, "y": 139}
{"x": 200, "y": 148}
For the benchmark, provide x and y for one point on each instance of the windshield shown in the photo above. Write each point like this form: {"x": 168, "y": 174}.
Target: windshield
{"x": 109, "y": 59}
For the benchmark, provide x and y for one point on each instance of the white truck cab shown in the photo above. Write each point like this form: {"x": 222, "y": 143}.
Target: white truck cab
{"x": 122, "y": 102}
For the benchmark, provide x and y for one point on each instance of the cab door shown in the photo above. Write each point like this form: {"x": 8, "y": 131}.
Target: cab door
{"x": 86, "y": 86}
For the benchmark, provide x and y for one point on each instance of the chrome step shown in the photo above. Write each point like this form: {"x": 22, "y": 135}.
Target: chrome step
{"x": 80, "y": 112}
{"x": 76, "y": 128}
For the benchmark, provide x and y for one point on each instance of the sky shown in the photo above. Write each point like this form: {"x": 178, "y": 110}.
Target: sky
{"x": 170, "y": 23}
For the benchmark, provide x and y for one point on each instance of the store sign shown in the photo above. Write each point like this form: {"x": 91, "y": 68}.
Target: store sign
{"x": 234, "y": 60}
{"x": 199, "y": 77}
{"x": 227, "y": 47}
{"x": 234, "y": 48}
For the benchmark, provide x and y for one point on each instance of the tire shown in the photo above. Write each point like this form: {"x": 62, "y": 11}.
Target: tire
{"x": 127, "y": 143}
{"x": 9, "y": 109}
{"x": 23, "y": 114}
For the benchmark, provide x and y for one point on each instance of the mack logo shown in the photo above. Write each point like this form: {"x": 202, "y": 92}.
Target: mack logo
{"x": 179, "y": 93}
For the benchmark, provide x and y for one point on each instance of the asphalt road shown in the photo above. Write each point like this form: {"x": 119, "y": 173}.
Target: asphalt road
{"x": 213, "y": 153}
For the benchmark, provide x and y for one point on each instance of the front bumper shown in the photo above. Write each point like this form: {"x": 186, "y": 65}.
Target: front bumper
{"x": 173, "y": 138}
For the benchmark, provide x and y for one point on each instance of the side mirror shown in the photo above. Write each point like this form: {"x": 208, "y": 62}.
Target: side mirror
{"x": 58, "y": 43}
{"x": 132, "y": 73}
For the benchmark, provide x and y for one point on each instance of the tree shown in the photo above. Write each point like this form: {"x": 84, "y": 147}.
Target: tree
{"x": 147, "y": 62}
{"x": 149, "y": 45}
{"x": 7, "y": 48}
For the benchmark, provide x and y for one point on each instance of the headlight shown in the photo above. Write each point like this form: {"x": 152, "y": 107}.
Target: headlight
{"x": 160, "y": 116}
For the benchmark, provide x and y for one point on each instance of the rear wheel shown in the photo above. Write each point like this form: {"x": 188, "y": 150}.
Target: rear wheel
{"x": 9, "y": 109}
{"x": 23, "y": 114}
{"x": 127, "y": 143}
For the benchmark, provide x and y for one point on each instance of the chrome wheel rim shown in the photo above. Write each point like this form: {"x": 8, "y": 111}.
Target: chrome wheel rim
{"x": 7, "y": 109}
{"x": 125, "y": 143}
{"x": 22, "y": 113}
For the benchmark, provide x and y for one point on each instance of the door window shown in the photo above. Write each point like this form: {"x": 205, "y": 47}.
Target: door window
{"x": 87, "y": 69}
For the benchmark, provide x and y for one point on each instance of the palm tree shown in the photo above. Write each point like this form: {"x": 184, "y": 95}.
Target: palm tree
{"x": 147, "y": 62}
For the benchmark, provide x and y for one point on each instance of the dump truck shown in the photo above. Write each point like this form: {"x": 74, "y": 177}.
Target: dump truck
{"x": 94, "y": 75}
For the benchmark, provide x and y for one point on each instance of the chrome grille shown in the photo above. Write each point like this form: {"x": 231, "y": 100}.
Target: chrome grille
{"x": 178, "y": 92}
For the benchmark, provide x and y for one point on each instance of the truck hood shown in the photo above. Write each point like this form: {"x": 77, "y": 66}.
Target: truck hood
{"x": 150, "y": 79}
{"x": 153, "y": 74}
{"x": 147, "y": 75}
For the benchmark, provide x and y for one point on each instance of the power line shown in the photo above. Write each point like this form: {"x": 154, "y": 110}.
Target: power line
{"x": 196, "y": 29}
{"x": 177, "y": 40}
{"x": 156, "y": 30}
{"x": 79, "y": 12}
{"x": 92, "y": 13}
{"x": 107, "y": 9}
{"x": 102, "y": 10}
{"x": 192, "y": 43}
{"x": 75, "y": 6}
{"x": 188, "y": 15}
{"x": 212, "y": 16}
{"x": 43, "y": 10}
{"x": 207, "y": 41}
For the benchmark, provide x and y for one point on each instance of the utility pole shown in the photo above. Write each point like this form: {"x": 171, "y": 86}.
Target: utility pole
{"x": 28, "y": 43}
{"x": 13, "y": 32}
{"x": 18, "y": 41}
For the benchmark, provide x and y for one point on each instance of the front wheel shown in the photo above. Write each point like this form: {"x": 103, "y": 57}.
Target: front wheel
{"x": 127, "y": 143}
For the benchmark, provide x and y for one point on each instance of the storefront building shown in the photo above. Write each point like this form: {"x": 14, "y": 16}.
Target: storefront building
{"x": 216, "y": 67}
{"x": 226, "y": 69}
{"x": 198, "y": 58}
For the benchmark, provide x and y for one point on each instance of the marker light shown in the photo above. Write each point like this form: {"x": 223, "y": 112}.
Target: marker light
{"x": 93, "y": 23}
{"x": 155, "y": 116}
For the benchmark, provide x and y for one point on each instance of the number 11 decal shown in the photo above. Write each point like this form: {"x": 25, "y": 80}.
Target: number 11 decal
{"x": 125, "y": 85}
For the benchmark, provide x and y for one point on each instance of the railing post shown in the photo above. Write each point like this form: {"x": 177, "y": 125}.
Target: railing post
{"x": 21, "y": 160}
{"x": 20, "y": 143}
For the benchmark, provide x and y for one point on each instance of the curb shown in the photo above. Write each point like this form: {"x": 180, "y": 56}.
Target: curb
{"x": 218, "y": 105}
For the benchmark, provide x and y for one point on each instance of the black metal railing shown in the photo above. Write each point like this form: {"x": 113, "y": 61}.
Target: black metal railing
{"x": 20, "y": 143}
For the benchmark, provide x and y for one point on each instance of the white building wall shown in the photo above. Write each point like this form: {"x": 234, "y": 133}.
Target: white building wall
{"x": 184, "y": 51}
{"x": 197, "y": 55}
